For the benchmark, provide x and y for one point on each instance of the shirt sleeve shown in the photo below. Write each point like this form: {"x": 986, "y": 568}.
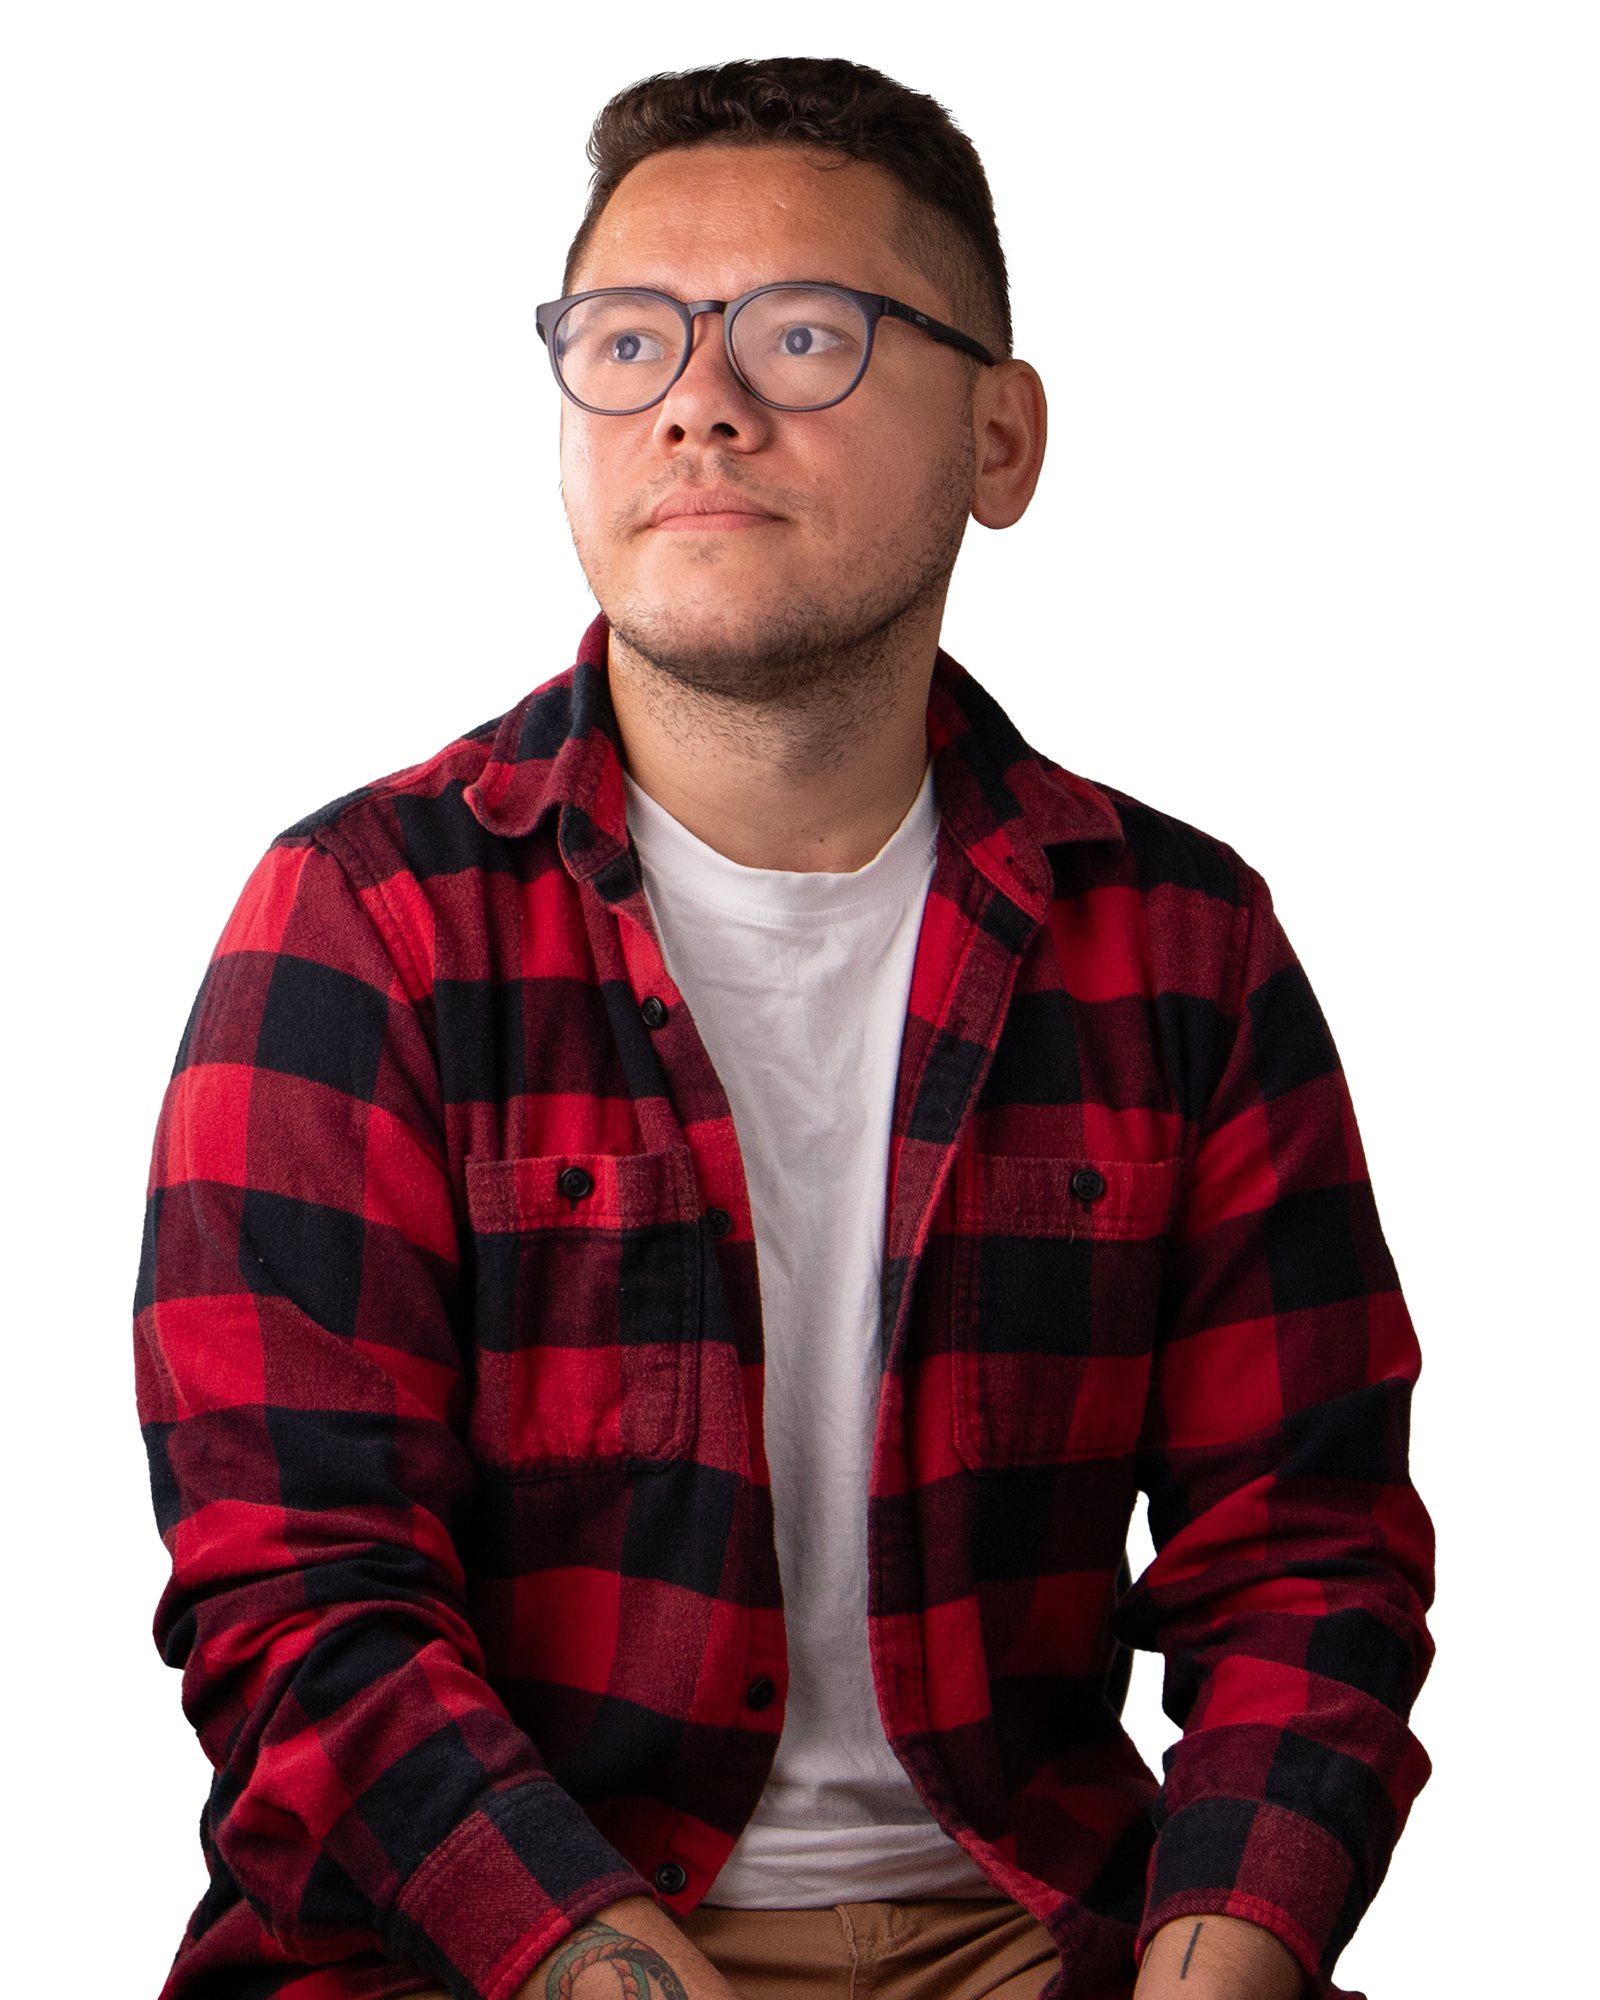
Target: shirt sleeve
{"x": 1294, "y": 1559}
{"x": 302, "y": 1394}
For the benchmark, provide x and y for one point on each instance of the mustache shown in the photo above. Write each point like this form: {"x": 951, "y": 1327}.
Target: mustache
{"x": 723, "y": 469}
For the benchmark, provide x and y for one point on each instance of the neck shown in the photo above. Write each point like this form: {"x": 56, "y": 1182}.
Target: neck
{"x": 813, "y": 784}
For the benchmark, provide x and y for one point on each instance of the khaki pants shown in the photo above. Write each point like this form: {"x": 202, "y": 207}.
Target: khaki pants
{"x": 882, "y": 1951}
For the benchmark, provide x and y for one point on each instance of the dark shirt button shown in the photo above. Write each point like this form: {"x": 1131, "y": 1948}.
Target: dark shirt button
{"x": 653, "y": 1012}
{"x": 760, "y": 1694}
{"x": 719, "y": 1222}
{"x": 574, "y": 1183}
{"x": 1087, "y": 1185}
{"x": 670, "y": 1878}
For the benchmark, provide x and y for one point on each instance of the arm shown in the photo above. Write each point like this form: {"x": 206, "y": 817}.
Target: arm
{"x": 303, "y": 1395}
{"x": 635, "y": 1938}
{"x": 1293, "y": 1556}
{"x": 1218, "y": 1958}
{"x": 633, "y": 1941}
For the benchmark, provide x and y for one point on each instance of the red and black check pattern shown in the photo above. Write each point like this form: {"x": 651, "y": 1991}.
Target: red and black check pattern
{"x": 451, "y": 1379}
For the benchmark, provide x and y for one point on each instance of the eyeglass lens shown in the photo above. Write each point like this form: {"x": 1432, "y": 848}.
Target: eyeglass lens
{"x": 797, "y": 347}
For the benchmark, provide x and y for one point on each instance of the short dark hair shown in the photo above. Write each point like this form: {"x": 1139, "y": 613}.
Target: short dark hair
{"x": 949, "y": 231}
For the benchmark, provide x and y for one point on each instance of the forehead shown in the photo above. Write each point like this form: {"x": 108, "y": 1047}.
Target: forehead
{"x": 711, "y": 221}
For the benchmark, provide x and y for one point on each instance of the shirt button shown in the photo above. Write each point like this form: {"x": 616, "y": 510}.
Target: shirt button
{"x": 1087, "y": 1185}
{"x": 760, "y": 1694}
{"x": 670, "y": 1878}
{"x": 719, "y": 1222}
{"x": 574, "y": 1183}
{"x": 653, "y": 1012}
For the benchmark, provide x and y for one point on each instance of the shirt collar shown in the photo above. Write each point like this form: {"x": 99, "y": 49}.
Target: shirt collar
{"x": 1001, "y": 802}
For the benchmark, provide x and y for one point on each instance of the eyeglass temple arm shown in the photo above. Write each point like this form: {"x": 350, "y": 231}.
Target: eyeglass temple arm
{"x": 937, "y": 330}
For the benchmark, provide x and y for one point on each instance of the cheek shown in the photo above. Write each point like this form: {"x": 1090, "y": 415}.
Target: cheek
{"x": 577, "y": 462}
{"x": 610, "y": 466}
{"x": 861, "y": 471}
{"x": 879, "y": 488}
{"x": 592, "y": 487}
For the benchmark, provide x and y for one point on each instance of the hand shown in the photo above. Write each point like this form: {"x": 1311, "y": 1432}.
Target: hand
{"x": 632, "y": 1939}
{"x": 1218, "y": 1958}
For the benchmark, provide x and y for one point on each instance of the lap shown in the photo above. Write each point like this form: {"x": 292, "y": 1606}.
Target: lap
{"x": 935, "y": 1950}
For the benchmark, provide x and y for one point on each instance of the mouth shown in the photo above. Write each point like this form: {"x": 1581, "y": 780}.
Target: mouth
{"x": 709, "y": 510}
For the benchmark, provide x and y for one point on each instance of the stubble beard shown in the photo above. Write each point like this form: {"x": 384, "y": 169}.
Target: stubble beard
{"x": 814, "y": 670}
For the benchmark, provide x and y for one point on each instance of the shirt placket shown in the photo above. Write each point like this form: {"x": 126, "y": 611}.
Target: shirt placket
{"x": 679, "y": 1101}
{"x": 969, "y": 954}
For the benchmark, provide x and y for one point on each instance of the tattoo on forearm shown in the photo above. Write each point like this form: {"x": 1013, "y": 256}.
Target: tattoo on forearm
{"x": 635, "y": 1963}
{"x": 1194, "y": 1939}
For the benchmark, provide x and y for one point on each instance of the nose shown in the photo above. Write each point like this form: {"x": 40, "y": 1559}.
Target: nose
{"x": 708, "y": 404}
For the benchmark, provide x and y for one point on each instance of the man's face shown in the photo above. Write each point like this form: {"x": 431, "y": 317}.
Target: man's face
{"x": 738, "y": 546}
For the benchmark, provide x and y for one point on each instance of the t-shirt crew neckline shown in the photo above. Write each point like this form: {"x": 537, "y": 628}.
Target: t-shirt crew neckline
{"x": 783, "y": 897}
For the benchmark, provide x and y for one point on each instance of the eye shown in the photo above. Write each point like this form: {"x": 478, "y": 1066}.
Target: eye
{"x": 802, "y": 341}
{"x": 635, "y": 346}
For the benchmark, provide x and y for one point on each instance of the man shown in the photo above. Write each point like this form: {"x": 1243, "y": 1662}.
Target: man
{"x": 681, "y": 1225}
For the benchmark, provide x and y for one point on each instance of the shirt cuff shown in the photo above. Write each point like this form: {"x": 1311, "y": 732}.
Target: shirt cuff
{"x": 503, "y": 1890}
{"x": 1222, "y": 1857}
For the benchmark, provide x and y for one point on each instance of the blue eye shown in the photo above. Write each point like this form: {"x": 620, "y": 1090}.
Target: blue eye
{"x": 807, "y": 340}
{"x": 625, "y": 347}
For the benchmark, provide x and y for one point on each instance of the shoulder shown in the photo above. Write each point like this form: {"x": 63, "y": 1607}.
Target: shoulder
{"x": 459, "y": 764}
{"x": 1167, "y": 911}
{"x": 427, "y": 818}
{"x": 1157, "y": 850}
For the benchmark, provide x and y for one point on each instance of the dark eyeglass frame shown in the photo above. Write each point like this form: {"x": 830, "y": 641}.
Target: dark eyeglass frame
{"x": 873, "y": 306}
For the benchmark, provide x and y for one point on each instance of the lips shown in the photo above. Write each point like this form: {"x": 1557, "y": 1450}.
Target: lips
{"x": 709, "y": 510}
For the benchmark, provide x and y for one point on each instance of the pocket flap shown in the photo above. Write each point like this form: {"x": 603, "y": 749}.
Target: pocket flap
{"x": 1017, "y": 1195}
{"x": 628, "y": 1191}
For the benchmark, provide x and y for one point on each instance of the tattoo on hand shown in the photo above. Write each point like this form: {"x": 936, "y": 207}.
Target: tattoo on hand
{"x": 1194, "y": 1939}
{"x": 636, "y": 1965}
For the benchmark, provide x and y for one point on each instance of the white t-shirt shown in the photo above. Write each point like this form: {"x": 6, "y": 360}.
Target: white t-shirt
{"x": 798, "y": 985}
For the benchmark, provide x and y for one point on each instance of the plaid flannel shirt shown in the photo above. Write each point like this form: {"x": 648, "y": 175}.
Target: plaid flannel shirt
{"x": 450, "y": 1365}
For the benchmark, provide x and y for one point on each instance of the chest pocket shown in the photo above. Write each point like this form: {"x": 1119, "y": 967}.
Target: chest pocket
{"x": 588, "y": 1310}
{"x": 1057, "y": 1284}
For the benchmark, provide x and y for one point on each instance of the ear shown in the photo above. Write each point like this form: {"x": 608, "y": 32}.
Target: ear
{"x": 1009, "y": 421}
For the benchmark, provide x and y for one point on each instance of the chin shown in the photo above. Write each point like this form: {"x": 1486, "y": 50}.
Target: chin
{"x": 711, "y": 619}
{"x": 689, "y": 640}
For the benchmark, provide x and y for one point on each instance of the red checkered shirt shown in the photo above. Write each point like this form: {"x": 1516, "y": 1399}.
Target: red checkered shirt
{"x": 450, "y": 1364}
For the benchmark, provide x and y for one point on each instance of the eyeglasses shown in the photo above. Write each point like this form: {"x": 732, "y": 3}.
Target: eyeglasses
{"x": 793, "y": 346}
